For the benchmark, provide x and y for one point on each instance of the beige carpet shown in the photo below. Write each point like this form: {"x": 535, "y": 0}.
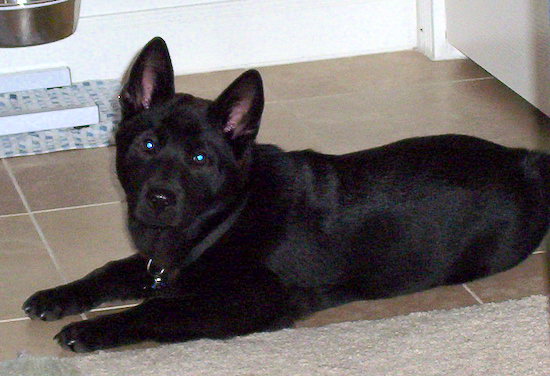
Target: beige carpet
{"x": 504, "y": 339}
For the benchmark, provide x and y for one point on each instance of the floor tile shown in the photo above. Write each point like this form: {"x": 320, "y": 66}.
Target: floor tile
{"x": 285, "y": 130}
{"x": 25, "y": 265}
{"x": 445, "y": 297}
{"x": 362, "y": 73}
{"x": 353, "y": 122}
{"x": 86, "y": 238}
{"x": 337, "y": 76}
{"x": 529, "y": 278}
{"x": 69, "y": 178}
{"x": 32, "y": 337}
{"x": 10, "y": 203}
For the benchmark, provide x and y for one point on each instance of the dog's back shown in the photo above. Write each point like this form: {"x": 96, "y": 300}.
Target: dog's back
{"x": 404, "y": 217}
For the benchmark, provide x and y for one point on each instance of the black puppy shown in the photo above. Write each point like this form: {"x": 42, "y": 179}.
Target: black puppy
{"x": 235, "y": 237}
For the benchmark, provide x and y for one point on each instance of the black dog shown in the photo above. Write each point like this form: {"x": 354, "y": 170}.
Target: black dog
{"x": 234, "y": 237}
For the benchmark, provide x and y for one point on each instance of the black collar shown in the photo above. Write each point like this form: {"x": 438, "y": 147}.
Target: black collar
{"x": 159, "y": 274}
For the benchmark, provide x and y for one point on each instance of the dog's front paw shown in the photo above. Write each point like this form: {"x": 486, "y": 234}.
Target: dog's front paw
{"x": 80, "y": 337}
{"x": 90, "y": 335}
{"x": 54, "y": 304}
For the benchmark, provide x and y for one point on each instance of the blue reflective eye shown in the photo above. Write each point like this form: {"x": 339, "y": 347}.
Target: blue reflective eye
{"x": 199, "y": 158}
{"x": 150, "y": 145}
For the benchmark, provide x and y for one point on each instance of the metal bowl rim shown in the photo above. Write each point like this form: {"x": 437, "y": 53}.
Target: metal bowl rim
{"x": 31, "y": 4}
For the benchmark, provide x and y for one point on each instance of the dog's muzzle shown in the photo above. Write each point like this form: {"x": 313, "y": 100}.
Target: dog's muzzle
{"x": 160, "y": 199}
{"x": 159, "y": 207}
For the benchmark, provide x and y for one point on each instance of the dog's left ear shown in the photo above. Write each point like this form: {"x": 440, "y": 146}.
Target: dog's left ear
{"x": 151, "y": 79}
{"x": 238, "y": 110}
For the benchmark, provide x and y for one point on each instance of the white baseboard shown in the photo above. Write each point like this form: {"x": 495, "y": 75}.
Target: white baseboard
{"x": 215, "y": 35}
{"x": 432, "y": 31}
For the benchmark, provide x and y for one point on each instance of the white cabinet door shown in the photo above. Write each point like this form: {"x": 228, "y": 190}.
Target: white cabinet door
{"x": 508, "y": 38}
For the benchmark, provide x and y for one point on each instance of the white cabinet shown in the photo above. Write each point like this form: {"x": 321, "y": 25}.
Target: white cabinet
{"x": 508, "y": 38}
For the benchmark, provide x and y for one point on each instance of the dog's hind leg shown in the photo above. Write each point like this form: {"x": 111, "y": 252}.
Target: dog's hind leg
{"x": 117, "y": 280}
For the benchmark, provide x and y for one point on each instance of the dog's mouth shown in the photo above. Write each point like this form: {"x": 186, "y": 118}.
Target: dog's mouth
{"x": 161, "y": 244}
{"x": 163, "y": 237}
{"x": 166, "y": 219}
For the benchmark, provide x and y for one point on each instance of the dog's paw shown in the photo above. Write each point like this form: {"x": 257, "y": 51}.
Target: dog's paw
{"x": 53, "y": 304}
{"x": 90, "y": 335}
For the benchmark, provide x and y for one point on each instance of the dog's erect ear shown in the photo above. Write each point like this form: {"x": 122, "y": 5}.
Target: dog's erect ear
{"x": 151, "y": 79}
{"x": 238, "y": 110}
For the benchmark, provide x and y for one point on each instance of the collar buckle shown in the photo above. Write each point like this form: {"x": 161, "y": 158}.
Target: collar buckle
{"x": 158, "y": 281}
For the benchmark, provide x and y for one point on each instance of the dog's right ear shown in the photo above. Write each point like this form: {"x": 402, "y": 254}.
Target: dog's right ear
{"x": 150, "y": 81}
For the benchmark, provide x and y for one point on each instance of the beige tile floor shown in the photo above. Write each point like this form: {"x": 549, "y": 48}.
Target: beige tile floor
{"x": 61, "y": 214}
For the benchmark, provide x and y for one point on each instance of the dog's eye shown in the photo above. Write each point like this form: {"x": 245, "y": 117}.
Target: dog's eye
{"x": 199, "y": 158}
{"x": 149, "y": 145}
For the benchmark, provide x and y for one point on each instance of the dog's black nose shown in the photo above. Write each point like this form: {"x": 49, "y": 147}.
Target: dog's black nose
{"x": 160, "y": 199}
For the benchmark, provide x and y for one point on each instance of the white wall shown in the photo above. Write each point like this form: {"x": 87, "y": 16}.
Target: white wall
{"x": 103, "y": 7}
{"x": 207, "y": 35}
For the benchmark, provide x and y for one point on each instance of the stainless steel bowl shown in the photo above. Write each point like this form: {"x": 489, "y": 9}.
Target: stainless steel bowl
{"x": 32, "y": 22}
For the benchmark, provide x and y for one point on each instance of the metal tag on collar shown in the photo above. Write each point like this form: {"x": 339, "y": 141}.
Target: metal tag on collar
{"x": 157, "y": 276}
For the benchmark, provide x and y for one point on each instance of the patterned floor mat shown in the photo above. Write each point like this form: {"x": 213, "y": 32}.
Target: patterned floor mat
{"x": 104, "y": 93}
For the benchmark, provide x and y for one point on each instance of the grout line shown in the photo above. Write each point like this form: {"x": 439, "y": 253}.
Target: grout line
{"x": 477, "y": 298}
{"x": 352, "y": 92}
{"x": 114, "y": 307}
{"x": 59, "y": 209}
{"x": 34, "y": 221}
{"x": 82, "y": 315}
{"x": 75, "y": 207}
{"x": 470, "y": 79}
{"x": 13, "y": 215}
{"x": 14, "y": 320}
